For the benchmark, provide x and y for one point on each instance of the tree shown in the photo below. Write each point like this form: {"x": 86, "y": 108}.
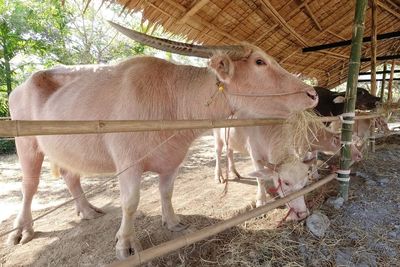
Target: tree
{"x": 27, "y": 27}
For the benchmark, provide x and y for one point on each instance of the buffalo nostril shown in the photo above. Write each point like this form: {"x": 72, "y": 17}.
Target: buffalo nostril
{"x": 312, "y": 96}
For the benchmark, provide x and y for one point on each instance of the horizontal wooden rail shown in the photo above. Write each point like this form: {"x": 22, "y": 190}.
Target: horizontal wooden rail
{"x": 44, "y": 127}
{"x": 188, "y": 239}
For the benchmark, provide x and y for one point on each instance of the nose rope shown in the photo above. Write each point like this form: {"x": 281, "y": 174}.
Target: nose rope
{"x": 265, "y": 95}
{"x": 222, "y": 89}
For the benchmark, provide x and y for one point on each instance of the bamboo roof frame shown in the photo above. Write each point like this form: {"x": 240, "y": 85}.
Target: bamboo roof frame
{"x": 281, "y": 28}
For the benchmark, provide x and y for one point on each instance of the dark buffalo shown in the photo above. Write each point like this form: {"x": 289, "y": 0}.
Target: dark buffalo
{"x": 332, "y": 103}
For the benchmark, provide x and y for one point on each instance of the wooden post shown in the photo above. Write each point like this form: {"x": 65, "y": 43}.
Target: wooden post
{"x": 351, "y": 94}
{"x": 373, "y": 47}
{"x": 390, "y": 85}
{"x": 373, "y": 69}
{"x": 383, "y": 82}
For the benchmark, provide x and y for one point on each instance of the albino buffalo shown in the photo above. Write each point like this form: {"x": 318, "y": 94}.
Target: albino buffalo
{"x": 142, "y": 88}
{"x": 264, "y": 145}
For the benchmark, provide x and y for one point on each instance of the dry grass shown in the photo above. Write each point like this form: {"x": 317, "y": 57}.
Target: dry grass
{"x": 298, "y": 134}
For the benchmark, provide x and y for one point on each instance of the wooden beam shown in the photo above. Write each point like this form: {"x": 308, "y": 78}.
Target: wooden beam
{"x": 198, "y": 20}
{"x": 311, "y": 16}
{"x": 338, "y": 21}
{"x": 296, "y": 66}
{"x": 310, "y": 66}
{"x": 383, "y": 81}
{"x": 388, "y": 9}
{"x": 174, "y": 4}
{"x": 388, "y": 35}
{"x": 193, "y": 10}
{"x": 366, "y": 59}
{"x": 280, "y": 20}
{"x": 336, "y": 35}
{"x": 393, "y": 4}
{"x": 294, "y": 11}
{"x": 374, "y": 22}
{"x": 262, "y": 36}
{"x": 378, "y": 72}
{"x": 334, "y": 55}
{"x": 289, "y": 56}
{"x": 390, "y": 85}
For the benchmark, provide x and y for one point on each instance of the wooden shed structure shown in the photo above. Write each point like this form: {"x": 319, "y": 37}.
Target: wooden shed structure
{"x": 282, "y": 28}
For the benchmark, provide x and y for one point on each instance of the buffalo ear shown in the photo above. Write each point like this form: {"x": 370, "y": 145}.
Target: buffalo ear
{"x": 339, "y": 99}
{"x": 223, "y": 67}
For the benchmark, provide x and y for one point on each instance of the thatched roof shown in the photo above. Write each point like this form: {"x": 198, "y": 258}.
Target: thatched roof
{"x": 281, "y": 28}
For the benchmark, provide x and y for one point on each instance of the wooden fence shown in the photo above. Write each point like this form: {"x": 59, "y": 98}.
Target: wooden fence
{"x": 9, "y": 128}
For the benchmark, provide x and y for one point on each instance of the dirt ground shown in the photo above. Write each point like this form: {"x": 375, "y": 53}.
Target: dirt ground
{"x": 365, "y": 232}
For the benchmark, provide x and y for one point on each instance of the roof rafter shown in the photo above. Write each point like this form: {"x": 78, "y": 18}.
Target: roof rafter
{"x": 195, "y": 18}
{"x": 280, "y": 20}
{"x": 311, "y": 15}
{"x": 388, "y": 9}
{"x": 262, "y": 36}
{"x": 193, "y": 10}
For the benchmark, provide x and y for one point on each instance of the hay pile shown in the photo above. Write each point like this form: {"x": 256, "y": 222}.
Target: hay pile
{"x": 296, "y": 136}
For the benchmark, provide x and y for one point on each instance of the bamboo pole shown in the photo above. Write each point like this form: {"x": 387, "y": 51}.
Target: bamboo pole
{"x": 382, "y": 94}
{"x": 351, "y": 94}
{"x": 43, "y": 127}
{"x": 188, "y": 239}
{"x": 374, "y": 18}
{"x": 390, "y": 84}
{"x": 373, "y": 46}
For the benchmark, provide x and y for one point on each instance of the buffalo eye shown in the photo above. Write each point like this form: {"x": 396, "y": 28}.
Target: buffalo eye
{"x": 260, "y": 62}
{"x": 286, "y": 183}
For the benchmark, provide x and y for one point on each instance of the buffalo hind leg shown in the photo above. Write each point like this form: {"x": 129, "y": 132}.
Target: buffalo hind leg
{"x": 83, "y": 208}
{"x": 219, "y": 144}
{"x": 231, "y": 165}
{"x": 127, "y": 243}
{"x": 31, "y": 160}
{"x": 169, "y": 218}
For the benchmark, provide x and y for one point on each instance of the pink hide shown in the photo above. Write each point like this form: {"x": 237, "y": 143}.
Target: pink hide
{"x": 142, "y": 88}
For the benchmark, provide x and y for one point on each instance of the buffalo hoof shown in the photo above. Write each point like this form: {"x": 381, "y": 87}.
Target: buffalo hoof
{"x": 260, "y": 203}
{"x": 89, "y": 212}
{"x": 237, "y": 175}
{"x": 126, "y": 247}
{"x": 177, "y": 227}
{"x": 219, "y": 179}
{"x": 21, "y": 236}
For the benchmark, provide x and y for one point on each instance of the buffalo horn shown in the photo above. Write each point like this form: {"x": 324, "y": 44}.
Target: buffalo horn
{"x": 177, "y": 47}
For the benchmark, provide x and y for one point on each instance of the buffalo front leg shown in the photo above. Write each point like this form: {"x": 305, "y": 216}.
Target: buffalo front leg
{"x": 31, "y": 162}
{"x": 83, "y": 208}
{"x": 127, "y": 243}
{"x": 261, "y": 196}
{"x": 219, "y": 144}
{"x": 169, "y": 218}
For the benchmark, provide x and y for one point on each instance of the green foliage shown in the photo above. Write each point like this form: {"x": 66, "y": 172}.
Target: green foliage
{"x": 3, "y": 105}
{"x": 7, "y": 147}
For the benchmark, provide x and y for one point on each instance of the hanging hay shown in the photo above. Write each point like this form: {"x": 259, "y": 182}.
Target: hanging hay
{"x": 297, "y": 134}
